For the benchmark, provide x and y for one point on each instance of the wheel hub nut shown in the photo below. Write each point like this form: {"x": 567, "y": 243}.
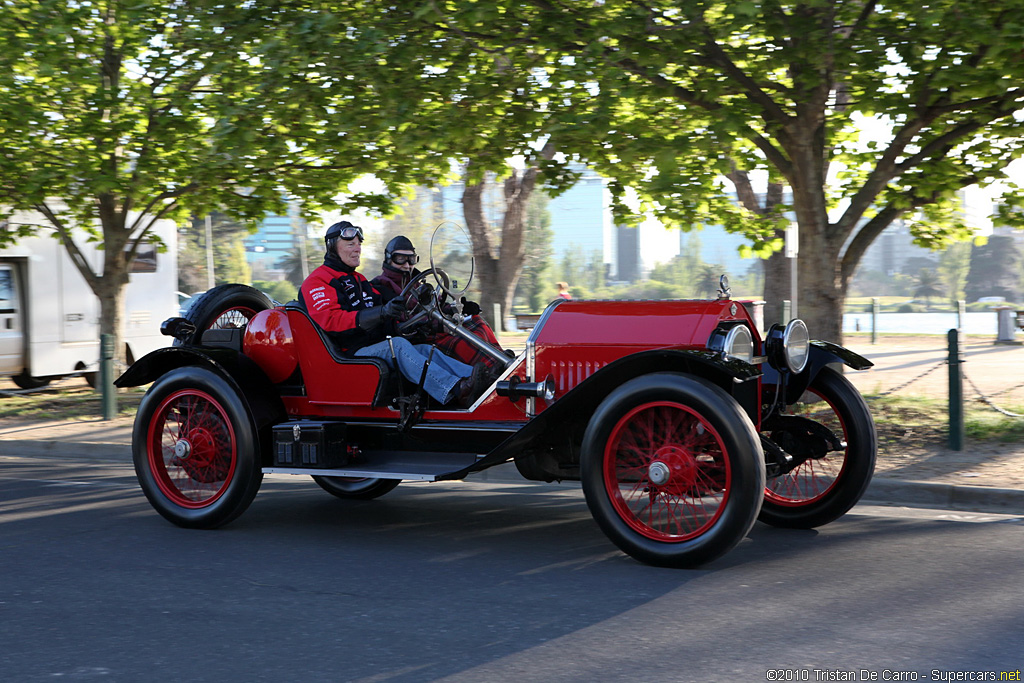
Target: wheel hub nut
{"x": 182, "y": 449}
{"x": 658, "y": 473}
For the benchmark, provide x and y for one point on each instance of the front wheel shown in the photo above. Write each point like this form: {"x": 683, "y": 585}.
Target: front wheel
{"x": 826, "y": 485}
{"x": 672, "y": 470}
{"x": 356, "y": 488}
{"x": 195, "y": 449}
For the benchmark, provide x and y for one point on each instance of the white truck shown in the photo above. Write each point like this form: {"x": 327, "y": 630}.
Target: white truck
{"x": 49, "y": 316}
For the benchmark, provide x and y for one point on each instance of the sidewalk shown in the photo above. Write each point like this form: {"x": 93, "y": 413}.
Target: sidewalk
{"x": 982, "y": 477}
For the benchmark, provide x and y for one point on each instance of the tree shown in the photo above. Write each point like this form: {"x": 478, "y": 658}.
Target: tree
{"x": 670, "y": 98}
{"x": 536, "y": 285}
{"x": 995, "y": 270}
{"x": 954, "y": 264}
{"x": 114, "y": 115}
{"x": 928, "y": 285}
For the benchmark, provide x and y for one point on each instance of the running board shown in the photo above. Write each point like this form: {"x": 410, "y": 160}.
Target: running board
{"x": 409, "y": 465}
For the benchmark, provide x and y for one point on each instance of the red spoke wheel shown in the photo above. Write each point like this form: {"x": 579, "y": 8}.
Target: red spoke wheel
{"x": 822, "y": 489}
{"x": 356, "y": 488}
{"x": 194, "y": 449}
{"x": 672, "y": 470}
{"x": 224, "y": 307}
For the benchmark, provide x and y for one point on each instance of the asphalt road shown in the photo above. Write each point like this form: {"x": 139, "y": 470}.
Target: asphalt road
{"x": 480, "y": 582}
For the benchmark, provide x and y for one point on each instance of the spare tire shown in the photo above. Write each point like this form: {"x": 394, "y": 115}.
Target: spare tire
{"x": 224, "y": 307}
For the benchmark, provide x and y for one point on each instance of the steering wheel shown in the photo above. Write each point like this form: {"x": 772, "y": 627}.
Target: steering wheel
{"x": 421, "y": 310}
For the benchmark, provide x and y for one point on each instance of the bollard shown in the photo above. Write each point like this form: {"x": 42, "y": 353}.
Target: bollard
{"x": 108, "y": 393}
{"x": 956, "y": 393}
{"x": 874, "y": 319}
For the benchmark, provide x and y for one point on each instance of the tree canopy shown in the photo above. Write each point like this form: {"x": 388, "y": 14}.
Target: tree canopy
{"x": 669, "y": 98}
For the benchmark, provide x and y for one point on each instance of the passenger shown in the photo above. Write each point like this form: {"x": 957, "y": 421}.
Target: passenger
{"x": 353, "y": 314}
{"x": 400, "y": 259}
{"x": 563, "y": 291}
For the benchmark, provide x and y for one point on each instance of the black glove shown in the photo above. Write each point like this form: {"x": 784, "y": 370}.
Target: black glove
{"x": 470, "y": 307}
{"x": 369, "y": 319}
{"x": 394, "y": 309}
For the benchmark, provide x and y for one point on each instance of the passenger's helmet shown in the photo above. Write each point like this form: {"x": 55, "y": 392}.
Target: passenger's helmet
{"x": 400, "y": 243}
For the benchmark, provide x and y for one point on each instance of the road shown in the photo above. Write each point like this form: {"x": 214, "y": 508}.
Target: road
{"x": 480, "y": 582}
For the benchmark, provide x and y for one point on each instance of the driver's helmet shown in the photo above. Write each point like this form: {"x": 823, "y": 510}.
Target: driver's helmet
{"x": 341, "y": 230}
{"x": 400, "y": 243}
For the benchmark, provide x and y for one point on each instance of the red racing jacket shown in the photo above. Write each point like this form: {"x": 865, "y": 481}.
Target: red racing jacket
{"x": 333, "y": 294}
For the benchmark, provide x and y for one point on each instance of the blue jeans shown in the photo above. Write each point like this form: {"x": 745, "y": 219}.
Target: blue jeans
{"x": 443, "y": 374}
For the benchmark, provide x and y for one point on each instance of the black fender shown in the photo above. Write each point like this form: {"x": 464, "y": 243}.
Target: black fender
{"x": 257, "y": 392}
{"x": 557, "y": 432}
{"x": 821, "y": 353}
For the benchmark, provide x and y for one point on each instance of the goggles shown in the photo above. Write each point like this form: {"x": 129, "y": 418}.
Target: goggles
{"x": 402, "y": 259}
{"x": 350, "y": 233}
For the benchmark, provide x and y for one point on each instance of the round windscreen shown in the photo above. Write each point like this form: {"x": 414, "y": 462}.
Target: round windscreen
{"x": 451, "y": 251}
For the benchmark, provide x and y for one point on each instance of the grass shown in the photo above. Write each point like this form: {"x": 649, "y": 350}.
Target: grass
{"x": 65, "y": 401}
{"x": 915, "y": 420}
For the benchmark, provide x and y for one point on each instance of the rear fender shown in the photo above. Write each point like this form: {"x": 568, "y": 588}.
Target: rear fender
{"x": 254, "y": 387}
{"x": 821, "y": 353}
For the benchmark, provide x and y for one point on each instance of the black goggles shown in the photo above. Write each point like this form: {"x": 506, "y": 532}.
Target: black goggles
{"x": 402, "y": 259}
{"x": 351, "y": 232}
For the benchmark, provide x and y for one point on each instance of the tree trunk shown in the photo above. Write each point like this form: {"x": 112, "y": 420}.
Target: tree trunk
{"x": 499, "y": 267}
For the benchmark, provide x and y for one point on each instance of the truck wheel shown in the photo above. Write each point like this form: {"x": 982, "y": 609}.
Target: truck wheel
{"x": 672, "y": 470}
{"x": 822, "y": 489}
{"x": 27, "y": 381}
{"x": 195, "y": 450}
{"x": 356, "y": 488}
{"x": 224, "y": 307}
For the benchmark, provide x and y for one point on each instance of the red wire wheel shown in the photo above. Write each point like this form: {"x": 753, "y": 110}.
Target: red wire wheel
{"x": 191, "y": 450}
{"x": 229, "y": 306}
{"x": 672, "y": 469}
{"x": 195, "y": 449}
{"x": 822, "y": 489}
{"x": 665, "y": 471}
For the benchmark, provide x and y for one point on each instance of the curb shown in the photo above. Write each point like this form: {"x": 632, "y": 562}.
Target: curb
{"x": 944, "y": 496}
{"x": 881, "y": 491}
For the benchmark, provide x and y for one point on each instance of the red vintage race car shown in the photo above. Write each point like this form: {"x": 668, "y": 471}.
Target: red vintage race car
{"x": 683, "y": 425}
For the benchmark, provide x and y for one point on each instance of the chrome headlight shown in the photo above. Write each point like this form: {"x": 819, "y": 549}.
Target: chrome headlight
{"x": 733, "y": 342}
{"x": 788, "y": 347}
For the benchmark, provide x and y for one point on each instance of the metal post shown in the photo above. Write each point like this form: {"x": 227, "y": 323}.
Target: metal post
{"x": 961, "y": 314}
{"x": 874, "y": 319}
{"x": 498, "y": 322}
{"x": 108, "y": 394}
{"x": 210, "y": 279}
{"x": 956, "y": 393}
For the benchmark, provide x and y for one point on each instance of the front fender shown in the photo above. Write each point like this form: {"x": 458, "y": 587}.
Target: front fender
{"x": 821, "y": 353}
{"x": 558, "y": 429}
{"x": 253, "y": 385}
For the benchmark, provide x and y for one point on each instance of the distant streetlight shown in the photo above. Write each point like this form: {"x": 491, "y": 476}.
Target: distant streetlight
{"x": 792, "y": 249}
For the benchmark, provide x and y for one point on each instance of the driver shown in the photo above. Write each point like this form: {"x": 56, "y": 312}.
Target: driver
{"x": 352, "y": 313}
{"x": 400, "y": 259}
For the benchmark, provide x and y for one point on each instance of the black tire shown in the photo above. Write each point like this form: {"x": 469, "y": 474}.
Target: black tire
{"x": 672, "y": 470}
{"x": 195, "y": 449}
{"x": 27, "y": 381}
{"x": 822, "y": 490}
{"x": 356, "y": 488}
{"x": 224, "y": 307}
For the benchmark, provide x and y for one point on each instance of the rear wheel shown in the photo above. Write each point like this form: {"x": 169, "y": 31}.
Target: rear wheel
{"x": 224, "y": 307}
{"x": 672, "y": 470}
{"x": 824, "y": 487}
{"x": 195, "y": 450}
{"x": 356, "y": 488}
{"x": 27, "y": 381}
